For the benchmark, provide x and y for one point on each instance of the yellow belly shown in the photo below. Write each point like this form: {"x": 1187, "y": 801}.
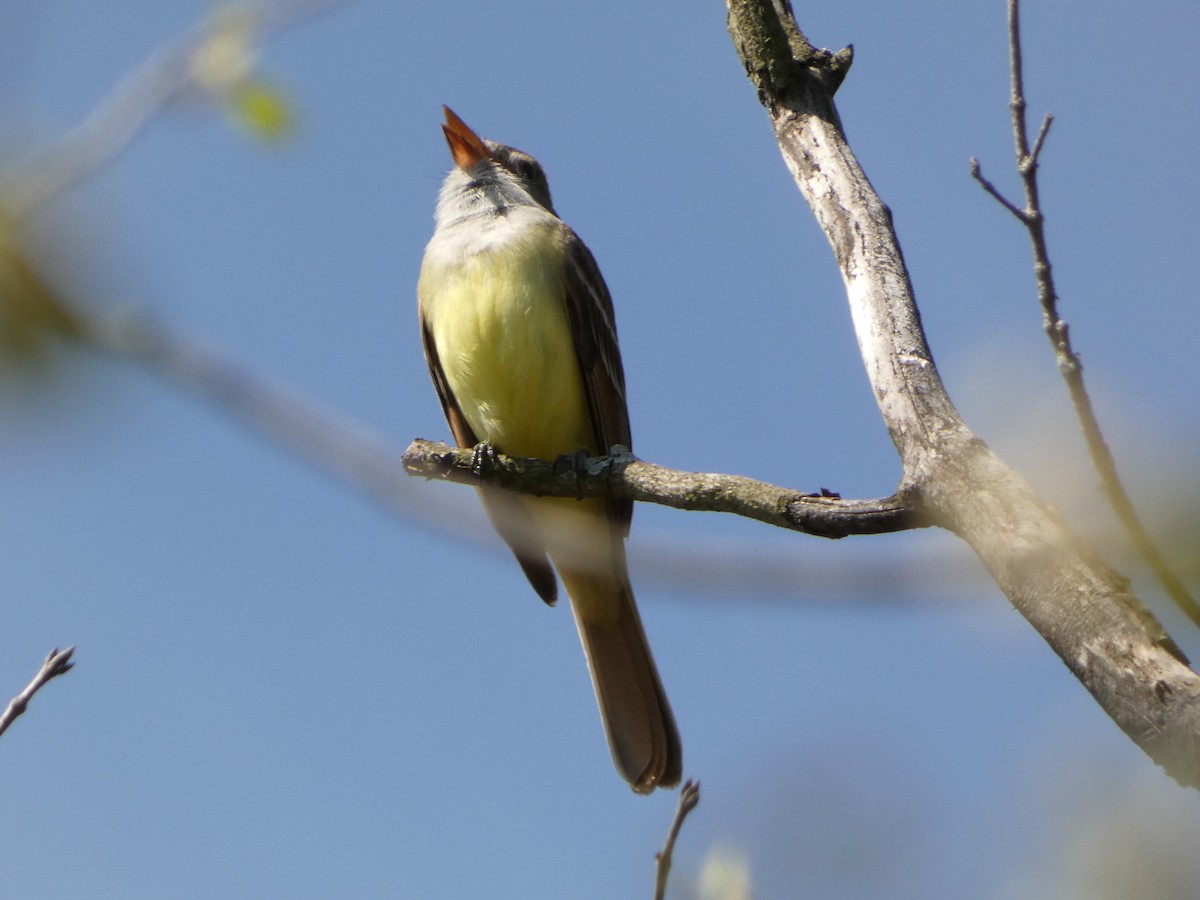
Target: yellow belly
{"x": 499, "y": 322}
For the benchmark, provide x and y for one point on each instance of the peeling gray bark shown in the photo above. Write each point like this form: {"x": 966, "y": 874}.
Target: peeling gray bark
{"x": 1083, "y": 609}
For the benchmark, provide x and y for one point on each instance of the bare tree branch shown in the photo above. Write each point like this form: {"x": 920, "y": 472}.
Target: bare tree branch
{"x": 330, "y": 441}
{"x": 1059, "y": 332}
{"x": 1082, "y": 608}
{"x": 624, "y": 475}
{"x": 689, "y": 799}
{"x": 57, "y": 662}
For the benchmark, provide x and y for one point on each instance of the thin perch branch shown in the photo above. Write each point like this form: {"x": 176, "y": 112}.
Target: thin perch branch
{"x": 57, "y": 662}
{"x": 624, "y": 475}
{"x": 1058, "y": 331}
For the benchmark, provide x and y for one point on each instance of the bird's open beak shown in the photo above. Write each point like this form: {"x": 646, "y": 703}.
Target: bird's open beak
{"x": 465, "y": 145}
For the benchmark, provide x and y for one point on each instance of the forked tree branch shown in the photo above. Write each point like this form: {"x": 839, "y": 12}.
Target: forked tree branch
{"x": 1057, "y": 330}
{"x": 57, "y": 662}
{"x": 1081, "y": 607}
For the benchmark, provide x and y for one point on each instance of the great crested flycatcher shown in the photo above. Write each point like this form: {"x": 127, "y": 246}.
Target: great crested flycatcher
{"x": 518, "y": 330}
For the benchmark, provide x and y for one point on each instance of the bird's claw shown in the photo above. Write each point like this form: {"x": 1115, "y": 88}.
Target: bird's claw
{"x": 483, "y": 459}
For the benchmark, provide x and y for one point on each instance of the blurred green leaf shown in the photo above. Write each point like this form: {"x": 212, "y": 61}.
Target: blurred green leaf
{"x": 263, "y": 111}
{"x": 224, "y": 66}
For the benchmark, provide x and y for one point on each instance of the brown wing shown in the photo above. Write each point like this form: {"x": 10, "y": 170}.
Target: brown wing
{"x": 506, "y": 512}
{"x": 594, "y": 328}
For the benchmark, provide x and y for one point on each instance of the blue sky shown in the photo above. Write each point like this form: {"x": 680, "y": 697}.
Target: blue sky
{"x": 284, "y": 690}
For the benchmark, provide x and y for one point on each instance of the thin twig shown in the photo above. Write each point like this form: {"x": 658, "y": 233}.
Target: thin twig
{"x": 1058, "y": 330}
{"x": 57, "y": 662}
{"x": 1040, "y": 140}
{"x": 689, "y": 799}
{"x": 1016, "y": 69}
{"x": 977, "y": 174}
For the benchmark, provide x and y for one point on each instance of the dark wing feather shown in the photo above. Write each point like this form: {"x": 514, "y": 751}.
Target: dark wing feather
{"x": 593, "y": 325}
{"x": 458, "y": 422}
{"x": 506, "y": 512}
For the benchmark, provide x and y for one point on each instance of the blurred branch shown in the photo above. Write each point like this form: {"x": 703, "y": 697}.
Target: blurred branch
{"x": 58, "y": 662}
{"x": 31, "y": 311}
{"x": 1083, "y": 609}
{"x": 689, "y": 799}
{"x": 330, "y": 441}
{"x": 623, "y": 475}
{"x": 1058, "y": 331}
{"x": 176, "y": 71}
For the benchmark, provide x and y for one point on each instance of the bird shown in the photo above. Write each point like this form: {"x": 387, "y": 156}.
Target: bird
{"x": 518, "y": 331}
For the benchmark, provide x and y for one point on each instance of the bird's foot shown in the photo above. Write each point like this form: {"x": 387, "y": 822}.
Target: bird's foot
{"x": 483, "y": 459}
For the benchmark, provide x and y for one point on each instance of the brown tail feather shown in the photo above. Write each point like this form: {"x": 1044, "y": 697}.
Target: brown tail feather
{"x": 633, "y": 706}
